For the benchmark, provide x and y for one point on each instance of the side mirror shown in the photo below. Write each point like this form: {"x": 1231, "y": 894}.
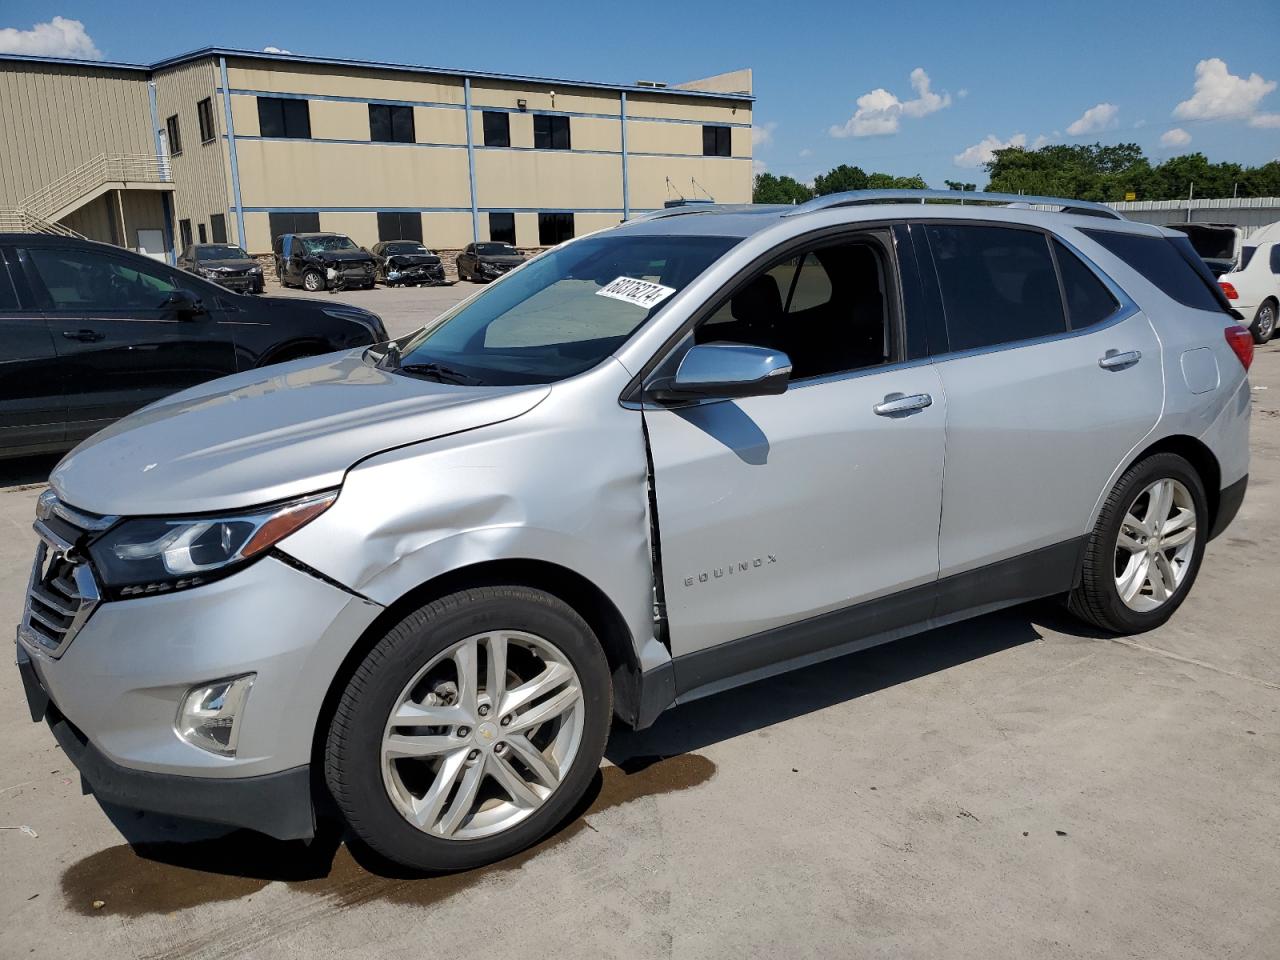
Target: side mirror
{"x": 184, "y": 303}
{"x": 725, "y": 371}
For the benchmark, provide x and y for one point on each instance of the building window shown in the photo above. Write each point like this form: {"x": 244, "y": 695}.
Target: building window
{"x": 204, "y": 109}
{"x": 554, "y": 228}
{"x": 502, "y": 228}
{"x": 715, "y": 141}
{"x": 175, "y": 135}
{"x": 497, "y": 129}
{"x": 284, "y": 117}
{"x": 293, "y": 223}
{"x": 218, "y": 227}
{"x": 394, "y": 225}
{"x": 204, "y": 236}
{"x": 550, "y": 133}
{"x": 388, "y": 124}
{"x": 184, "y": 228}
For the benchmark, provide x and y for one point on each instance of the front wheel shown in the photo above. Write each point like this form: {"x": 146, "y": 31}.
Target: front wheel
{"x": 1264, "y": 322}
{"x": 312, "y": 281}
{"x": 471, "y": 729}
{"x": 1145, "y": 550}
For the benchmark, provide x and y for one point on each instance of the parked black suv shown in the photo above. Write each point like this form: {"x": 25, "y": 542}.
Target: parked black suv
{"x": 225, "y": 264}
{"x": 406, "y": 262}
{"x": 90, "y": 332}
{"x": 319, "y": 261}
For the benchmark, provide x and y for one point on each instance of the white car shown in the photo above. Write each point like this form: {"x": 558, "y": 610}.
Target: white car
{"x": 1254, "y": 287}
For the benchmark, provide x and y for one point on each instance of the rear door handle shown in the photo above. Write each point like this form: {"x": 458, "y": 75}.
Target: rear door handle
{"x": 896, "y": 403}
{"x": 84, "y": 336}
{"x": 1114, "y": 360}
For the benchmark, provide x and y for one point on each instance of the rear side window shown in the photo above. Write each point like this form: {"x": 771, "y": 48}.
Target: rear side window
{"x": 1160, "y": 262}
{"x": 8, "y": 299}
{"x": 998, "y": 284}
{"x": 1088, "y": 299}
{"x": 1275, "y": 259}
{"x": 1246, "y": 254}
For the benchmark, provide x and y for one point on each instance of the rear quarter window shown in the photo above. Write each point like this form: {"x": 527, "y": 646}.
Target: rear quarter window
{"x": 1167, "y": 267}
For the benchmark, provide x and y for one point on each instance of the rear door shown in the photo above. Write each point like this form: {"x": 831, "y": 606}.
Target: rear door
{"x": 1052, "y": 378}
{"x": 120, "y": 345}
{"x": 32, "y": 407}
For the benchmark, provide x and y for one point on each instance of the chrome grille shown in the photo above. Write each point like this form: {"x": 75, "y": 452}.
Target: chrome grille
{"x": 61, "y": 593}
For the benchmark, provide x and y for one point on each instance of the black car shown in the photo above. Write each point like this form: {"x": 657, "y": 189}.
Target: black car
{"x": 225, "y": 264}
{"x": 406, "y": 262}
{"x": 322, "y": 261}
{"x": 90, "y": 332}
{"x": 487, "y": 261}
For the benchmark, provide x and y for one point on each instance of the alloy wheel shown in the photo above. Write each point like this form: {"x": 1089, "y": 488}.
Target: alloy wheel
{"x": 1266, "y": 322}
{"x": 482, "y": 735}
{"x": 1155, "y": 545}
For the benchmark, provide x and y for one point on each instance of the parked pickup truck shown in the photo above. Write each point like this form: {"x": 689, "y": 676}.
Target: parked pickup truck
{"x": 702, "y": 447}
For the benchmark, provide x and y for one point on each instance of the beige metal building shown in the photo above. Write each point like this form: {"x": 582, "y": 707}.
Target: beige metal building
{"x": 231, "y": 144}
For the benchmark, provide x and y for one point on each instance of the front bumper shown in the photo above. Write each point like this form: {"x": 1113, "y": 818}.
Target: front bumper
{"x": 249, "y": 283}
{"x": 424, "y": 273}
{"x": 112, "y": 696}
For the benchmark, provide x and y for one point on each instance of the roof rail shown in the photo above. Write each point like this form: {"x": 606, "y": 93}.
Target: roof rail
{"x": 855, "y": 197}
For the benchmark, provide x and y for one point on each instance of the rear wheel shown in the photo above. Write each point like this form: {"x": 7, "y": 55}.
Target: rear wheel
{"x": 1264, "y": 322}
{"x": 471, "y": 729}
{"x": 1145, "y": 550}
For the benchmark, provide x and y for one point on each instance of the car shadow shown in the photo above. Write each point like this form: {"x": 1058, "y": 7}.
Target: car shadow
{"x": 26, "y": 471}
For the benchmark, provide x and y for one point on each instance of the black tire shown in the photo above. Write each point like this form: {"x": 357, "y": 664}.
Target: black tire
{"x": 313, "y": 281}
{"x": 1263, "y": 327}
{"x": 353, "y": 749}
{"x": 1097, "y": 598}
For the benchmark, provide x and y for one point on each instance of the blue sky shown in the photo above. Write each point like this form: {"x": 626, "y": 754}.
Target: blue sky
{"x": 905, "y": 88}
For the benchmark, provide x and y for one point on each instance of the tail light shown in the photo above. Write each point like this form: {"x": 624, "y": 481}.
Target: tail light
{"x": 1229, "y": 289}
{"x": 1240, "y": 341}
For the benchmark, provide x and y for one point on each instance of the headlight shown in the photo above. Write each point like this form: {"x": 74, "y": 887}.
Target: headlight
{"x": 207, "y": 272}
{"x": 148, "y": 555}
{"x": 257, "y": 269}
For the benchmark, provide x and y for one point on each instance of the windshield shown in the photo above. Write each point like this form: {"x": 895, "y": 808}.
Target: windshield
{"x": 321, "y": 244}
{"x": 496, "y": 250}
{"x": 564, "y": 312}
{"x": 221, "y": 252}
{"x": 408, "y": 247}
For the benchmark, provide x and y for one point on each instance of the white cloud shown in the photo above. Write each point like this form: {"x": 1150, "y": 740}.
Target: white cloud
{"x": 1039, "y": 142}
{"x": 1101, "y": 116}
{"x": 962, "y": 92}
{"x": 59, "y": 37}
{"x": 762, "y": 136}
{"x": 806, "y": 152}
{"x": 1266, "y": 121}
{"x": 984, "y": 150}
{"x": 880, "y": 112}
{"x": 1177, "y": 137}
{"x": 275, "y": 50}
{"x": 1221, "y": 95}
{"x": 759, "y": 166}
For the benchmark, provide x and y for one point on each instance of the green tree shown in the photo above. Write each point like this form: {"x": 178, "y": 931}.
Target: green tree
{"x": 840, "y": 179}
{"x": 887, "y": 181}
{"x": 771, "y": 189}
{"x": 957, "y": 185}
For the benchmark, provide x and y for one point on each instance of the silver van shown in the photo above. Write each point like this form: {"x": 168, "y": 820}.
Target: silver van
{"x": 708, "y": 445}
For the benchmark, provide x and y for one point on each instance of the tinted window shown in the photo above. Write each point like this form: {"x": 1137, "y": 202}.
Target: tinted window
{"x": 554, "y": 228}
{"x": 8, "y": 299}
{"x": 547, "y": 321}
{"x": 495, "y": 250}
{"x": 497, "y": 129}
{"x": 87, "y": 280}
{"x": 218, "y": 227}
{"x": 388, "y": 124}
{"x": 397, "y": 225}
{"x": 1275, "y": 259}
{"x": 293, "y": 223}
{"x": 175, "y": 135}
{"x": 204, "y": 110}
{"x": 204, "y": 237}
{"x": 1158, "y": 260}
{"x": 998, "y": 285}
{"x": 1088, "y": 299}
{"x": 284, "y": 117}
{"x": 715, "y": 141}
{"x": 502, "y": 227}
{"x": 550, "y": 133}
{"x": 184, "y": 228}
{"x": 1246, "y": 254}
{"x": 827, "y": 309}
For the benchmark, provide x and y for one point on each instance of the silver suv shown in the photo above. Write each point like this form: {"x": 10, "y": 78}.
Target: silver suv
{"x": 706, "y": 446}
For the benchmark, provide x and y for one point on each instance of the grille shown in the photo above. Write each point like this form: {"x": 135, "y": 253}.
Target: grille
{"x": 61, "y": 593}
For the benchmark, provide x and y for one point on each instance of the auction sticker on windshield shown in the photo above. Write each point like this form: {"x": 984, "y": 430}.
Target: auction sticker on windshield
{"x": 640, "y": 292}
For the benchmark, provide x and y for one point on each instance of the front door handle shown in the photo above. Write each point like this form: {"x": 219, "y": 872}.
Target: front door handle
{"x": 1115, "y": 360}
{"x": 896, "y": 403}
{"x": 84, "y": 336}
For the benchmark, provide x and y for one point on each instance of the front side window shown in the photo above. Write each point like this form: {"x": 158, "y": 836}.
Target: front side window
{"x": 1088, "y": 299}
{"x": 998, "y": 284}
{"x": 554, "y": 228}
{"x": 390, "y": 124}
{"x": 550, "y": 132}
{"x": 204, "y": 110}
{"x": 286, "y": 117}
{"x": 80, "y": 280}
{"x": 502, "y": 227}
{"x": 174, "y": 133}
{"x": 716, "y": 141}
{"x": 497, "y": 129}
{"x": 553, "y": 318}
{"x": 827, "y": 309}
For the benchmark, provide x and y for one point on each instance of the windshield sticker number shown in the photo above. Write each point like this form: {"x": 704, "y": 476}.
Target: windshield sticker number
{"x": 640, "y": 292}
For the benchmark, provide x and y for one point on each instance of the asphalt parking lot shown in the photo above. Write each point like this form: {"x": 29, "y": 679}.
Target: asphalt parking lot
{"x": 1015, "y": 786}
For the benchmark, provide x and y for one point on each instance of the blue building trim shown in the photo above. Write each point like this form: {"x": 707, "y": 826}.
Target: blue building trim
{"x": 626, "y": 186}
{"x": 231, "y": 149}
{"x": 249, "y": 138}
{"x": 170, "y": 252}
{"x": 432, "y": 210}
{"x": 471, "y": 163}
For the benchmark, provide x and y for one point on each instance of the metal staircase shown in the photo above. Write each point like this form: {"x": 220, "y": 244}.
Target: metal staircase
{"x": 42, "y": 211}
